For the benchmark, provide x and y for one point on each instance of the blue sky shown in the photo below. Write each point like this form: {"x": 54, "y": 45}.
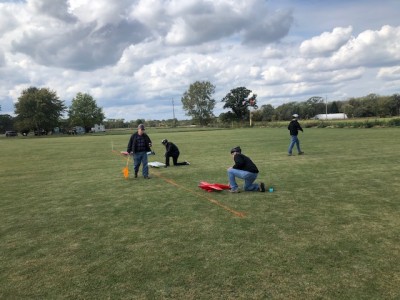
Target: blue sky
{"x": 134, "y": 57}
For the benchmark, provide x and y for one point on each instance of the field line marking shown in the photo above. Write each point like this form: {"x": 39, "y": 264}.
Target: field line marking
{"x": 225, "y": 207}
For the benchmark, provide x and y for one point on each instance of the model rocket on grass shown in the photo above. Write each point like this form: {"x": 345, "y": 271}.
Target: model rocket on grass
{"x": 210, "y": 187}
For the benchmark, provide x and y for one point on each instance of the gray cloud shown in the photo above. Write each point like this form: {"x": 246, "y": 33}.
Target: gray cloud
{"x": 269, "y": 29}
{"x": 80, "y": 47}
{"x": 54, "y": 8}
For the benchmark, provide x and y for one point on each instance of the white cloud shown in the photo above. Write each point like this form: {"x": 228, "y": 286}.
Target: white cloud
{"x": 371, "y": 48}
{"x": 391, "y": 73}
{"x": 327, "y": 42}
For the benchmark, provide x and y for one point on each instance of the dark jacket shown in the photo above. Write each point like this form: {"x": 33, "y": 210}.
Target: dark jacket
{"x": 294, "y": 127}
{"x": 132, "y": 145}
{"x": 171, "y": 149}
{"x": 242, "y": 162}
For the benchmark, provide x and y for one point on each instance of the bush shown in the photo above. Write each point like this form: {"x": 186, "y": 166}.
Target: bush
{"x": 394, "y": 122}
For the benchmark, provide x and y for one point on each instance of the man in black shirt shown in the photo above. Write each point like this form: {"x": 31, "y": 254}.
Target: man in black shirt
{"x": 171, "y": 150}
{"x": 138, "y": 146}
{"x": 294, "y": 128}
{"x": 245, "y": 169}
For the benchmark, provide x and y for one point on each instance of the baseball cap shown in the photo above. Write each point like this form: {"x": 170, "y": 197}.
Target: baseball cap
{"x": 236, "y": 149}
{"x": 164, "y": 141}
{"x": 141, "y": 126}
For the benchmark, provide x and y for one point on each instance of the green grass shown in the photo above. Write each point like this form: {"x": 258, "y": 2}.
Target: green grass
{"x": 72, "y": 227}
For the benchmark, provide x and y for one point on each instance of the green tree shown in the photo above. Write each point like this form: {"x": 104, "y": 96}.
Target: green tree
{"x": 348, "y": 109}
{"x": 286, "y": 110}
{"x": 334, "y": 108}
{"x": 114, "y": 123}
{"x": 198, "y": 103}
{"x": 227, "y": 117}
{"x": 85, "y": 112}
{"x": 313, "y": 106}
{"x": 236, "y": 100}
{"x": 139, "y": 121}
{"x": 6, "y": 123}
{"x": 267, "y": 112}
{"x": 38, "y": 109}
{"x": 395, "y": 105}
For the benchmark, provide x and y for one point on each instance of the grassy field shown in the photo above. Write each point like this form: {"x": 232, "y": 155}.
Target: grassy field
{"x": 72, "y": 227}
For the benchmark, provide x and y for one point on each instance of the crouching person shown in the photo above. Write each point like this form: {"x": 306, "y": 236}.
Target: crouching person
{"x": 244, "y": 169}
{"x": 171, "y": 150}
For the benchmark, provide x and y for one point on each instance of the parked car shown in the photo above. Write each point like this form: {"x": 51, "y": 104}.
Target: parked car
{"x": 11, "y": 133}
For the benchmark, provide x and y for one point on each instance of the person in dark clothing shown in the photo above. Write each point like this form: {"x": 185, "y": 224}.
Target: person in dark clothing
{"x": 138, "y": 146}
{"x": 243, "y": 168}
{"x": 294, "y": 128}
{"x": 171, "y": 150}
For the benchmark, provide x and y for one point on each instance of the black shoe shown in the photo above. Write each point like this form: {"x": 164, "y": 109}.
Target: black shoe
{"x": 147, "y": 177}
{"x": 262, "y": 187}
{"x": 135, "y": 175}
{"x": 301, "y": 153}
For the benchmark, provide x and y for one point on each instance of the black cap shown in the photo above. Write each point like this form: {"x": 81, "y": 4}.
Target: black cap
{"x": 164, "y": 141}
{"x": 236, "y": 149}
{"x": 141, "y": 126}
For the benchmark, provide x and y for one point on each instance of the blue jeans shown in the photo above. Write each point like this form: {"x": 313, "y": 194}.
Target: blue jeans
{"x": 248, "y": 177}
{"x": 294, "y": 141}
{"x": 141, "y": 157}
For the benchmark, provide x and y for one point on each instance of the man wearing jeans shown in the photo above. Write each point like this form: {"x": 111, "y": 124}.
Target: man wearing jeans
{"x": 294, "y": 128}
{"x": 245, "y": 169}
{"x": 138, "y": 146}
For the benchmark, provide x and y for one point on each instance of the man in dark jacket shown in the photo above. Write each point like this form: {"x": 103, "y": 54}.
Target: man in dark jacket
{"x": 138, "y": 146}
{"x": 171, "y": 150}
{"x": 294, "y": 128}
{"x": 245, "y": 169}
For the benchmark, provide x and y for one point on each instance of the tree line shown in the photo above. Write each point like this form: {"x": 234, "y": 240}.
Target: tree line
{"x": 242, "y": 106}
{"x": 40, "y": 110}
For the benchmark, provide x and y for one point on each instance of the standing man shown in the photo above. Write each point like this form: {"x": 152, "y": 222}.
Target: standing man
{"x": 139, "y": 144}
{"x": 245, "y": 169}
{"x": 171, "y": 150}
{"x": 294, "y": 128}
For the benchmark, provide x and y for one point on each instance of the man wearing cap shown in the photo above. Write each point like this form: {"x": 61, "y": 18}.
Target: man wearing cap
{"x": 294, "y": 128}
{"x": 139, "y": 144}
{"x": 171, "y": 150}
{"x": 245, "y": 169}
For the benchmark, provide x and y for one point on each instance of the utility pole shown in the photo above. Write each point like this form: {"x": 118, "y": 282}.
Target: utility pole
{"x": 173, "y": 111}
{"x": 326, "y": 107}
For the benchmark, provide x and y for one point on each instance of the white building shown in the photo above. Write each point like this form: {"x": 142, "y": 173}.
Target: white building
{"x": 98, "y": 128}
{"x": 339, "y": 116}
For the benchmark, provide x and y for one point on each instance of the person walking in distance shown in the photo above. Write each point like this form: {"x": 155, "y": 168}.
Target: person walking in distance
{"x": 294, "y": 128}
{"x": 245, "y": 169}
{"x": 171, "y": 150}
{"x": 138, "y": 146}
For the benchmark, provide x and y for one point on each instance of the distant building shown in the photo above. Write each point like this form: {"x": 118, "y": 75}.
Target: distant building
{"x": 76, "y": 130}
{"x": 98, "y": 128}
{"x": 339, "y": 116}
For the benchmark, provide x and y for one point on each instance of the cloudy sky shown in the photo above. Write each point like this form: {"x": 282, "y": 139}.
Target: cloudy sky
{"x": 137, "y": 57}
